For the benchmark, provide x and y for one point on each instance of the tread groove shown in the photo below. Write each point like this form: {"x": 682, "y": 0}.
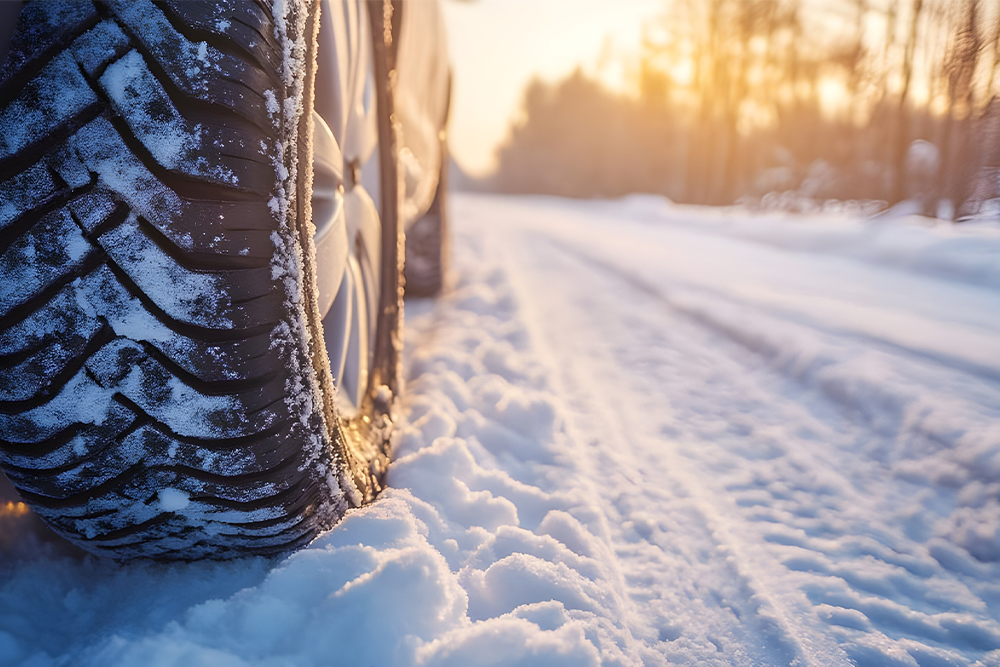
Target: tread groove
{"x": 196, "y": 261}
{"x": 218, "y": 444}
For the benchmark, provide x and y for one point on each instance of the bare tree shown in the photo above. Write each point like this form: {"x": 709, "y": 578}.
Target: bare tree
{"x": 750, "y": 117}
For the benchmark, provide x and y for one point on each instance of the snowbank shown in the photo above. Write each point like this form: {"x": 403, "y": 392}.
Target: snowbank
{"x": 967, "y": 252}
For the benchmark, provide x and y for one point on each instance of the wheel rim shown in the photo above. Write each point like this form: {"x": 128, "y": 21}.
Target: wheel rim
{"x": 346, "y": 187}
{"x": 348, "y": 238}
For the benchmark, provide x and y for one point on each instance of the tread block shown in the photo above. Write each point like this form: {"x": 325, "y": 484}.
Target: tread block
{"x": 151, "y": 495}
{"x": 55, "y": 96}
{"x": 190, "y": 225}
{"x": 113, "y": 364}
{"x": 96, "y": 208}
{"x": 238, "y": 144}
{"x": 193, "y": 298}
{"x": 212, "y": 299}
{"x": 27, "y": 377}
{"x": 42, "y": 27}
{"x": 24, "y": 192}
{"x": 232, "y": 475}
{"x": 123, "y": 367}
{"x": 98, "y": 146}
{"x": 61, "y": 318}
{"x": 66, "y": 448}
{"x": 124, "y": 527}
{"x": 199, "y": 70}
{"x": 266, "y": 454}
{"x": 51, "y": 250}
{"x": 238, "y": 216}
{"x": 175, "y": 143}
{"x": 243, "y": 24}
{"x": 81, "y": 401}
{"x": 100, "y": 295}
{"x": 234, "y": 229}
{"x": 66, "y": 165}
{"x": 99, "y": 46}
{"x": 237, "y": 360}
{"x": 75, "y": 314}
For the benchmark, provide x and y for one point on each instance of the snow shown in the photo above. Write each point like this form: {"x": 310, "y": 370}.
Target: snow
{"x": 199, "y": 298}
{"x": 173, "y": 499}
{"x": 140, "y": 99}
{"x": 137, "y": 95}
{"x": 47, "y": 101}
{"x": 635, "y": 433}
{"x": 271, "y": 102}
{"x": 59, "y": 247}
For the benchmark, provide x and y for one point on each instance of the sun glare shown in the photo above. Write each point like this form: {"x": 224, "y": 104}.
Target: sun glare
{"x": 833, "y": 96}
{"x": 682, "y": 72}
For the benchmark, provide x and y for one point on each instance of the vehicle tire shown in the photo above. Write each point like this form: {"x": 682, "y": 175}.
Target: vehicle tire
{"x": 427, "y": 241}
{"x": 164, "y": 386}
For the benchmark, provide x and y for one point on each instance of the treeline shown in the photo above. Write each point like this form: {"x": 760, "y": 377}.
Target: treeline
{"x": 866, "y": 100}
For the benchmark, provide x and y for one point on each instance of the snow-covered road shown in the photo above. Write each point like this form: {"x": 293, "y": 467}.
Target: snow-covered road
{"x": 637, "y": 434}
{"x": 828, "y": 427}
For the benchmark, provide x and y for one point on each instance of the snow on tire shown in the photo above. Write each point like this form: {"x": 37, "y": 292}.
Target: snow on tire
{"x": 159, "y": 389}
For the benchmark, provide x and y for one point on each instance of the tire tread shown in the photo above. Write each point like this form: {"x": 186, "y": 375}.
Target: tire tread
{"x": 96, "y": 216}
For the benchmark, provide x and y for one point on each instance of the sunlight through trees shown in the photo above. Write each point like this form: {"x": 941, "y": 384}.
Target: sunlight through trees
{"x": 800, "y": 99}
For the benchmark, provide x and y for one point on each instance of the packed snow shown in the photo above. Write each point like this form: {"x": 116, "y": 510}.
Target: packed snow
{"x": 636, "y": 434}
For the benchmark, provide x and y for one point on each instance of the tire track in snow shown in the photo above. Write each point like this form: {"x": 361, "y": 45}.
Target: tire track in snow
{"x": 690, "y": 299}
{"x": 847, "y": 535}
{"x": 767, "y": 621}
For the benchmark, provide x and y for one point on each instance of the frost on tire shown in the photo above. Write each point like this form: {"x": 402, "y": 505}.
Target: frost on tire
{"x": 158, "y": 391}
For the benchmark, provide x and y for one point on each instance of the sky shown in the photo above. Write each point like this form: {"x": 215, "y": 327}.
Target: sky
{"x": 498, "y": 46}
